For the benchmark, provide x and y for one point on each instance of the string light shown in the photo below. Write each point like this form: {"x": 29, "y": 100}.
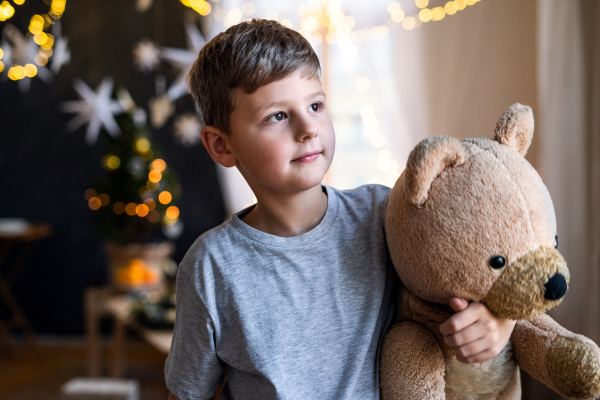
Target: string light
{"x": 37, "y": 24}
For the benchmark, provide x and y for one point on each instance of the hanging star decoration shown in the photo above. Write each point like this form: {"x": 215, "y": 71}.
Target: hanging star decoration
{"x": 95, "y": 108}
{"x": 187, "y": 129}
{"x": 161, "y": 107}
{"x": 183, "y": 59}
{"x": 62, "y": 52}
{"x": 24, "y": 50}
{"x": 143, "y": 5}
{"x": 145, "y": 55}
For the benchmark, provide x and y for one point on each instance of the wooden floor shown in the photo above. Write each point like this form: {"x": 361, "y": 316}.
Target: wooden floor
{"x": 36, "y": 372}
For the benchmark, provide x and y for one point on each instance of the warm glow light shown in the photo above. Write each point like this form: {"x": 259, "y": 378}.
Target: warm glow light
{"x": 154, "y": 176}
{"x": 130, "y": 209}
{"x": 153, "y": 216}
{"x": 165, "y": 197}
{"x": 1, "y": 66}
{"x": 460, "y": 4}
{"x": 172, "y": 212}
{"x": 438, "y": 14}
{"x": 104, "y": 198}
{"x": 408, "y": 23}
{"x": 112, "y": 162}
{"x": 89, "y": 193}
{"x": 40, "y": 59}
{"x": 398, "y": 15}
{"x": 119, "y": 207}
{"x": 94, "y": 203}
{"x": 287, "y": 23}
{"x": 159, "y": 165}
{"x": 40, "y": 38}
{"x": 19, "y": 2}
{"x": 394, "y": 5}
{"x": 1, "y": 54}
{"x": 142, "y": 210}
{"x": 470, "y": 2}
{"x": 425, "y": 15}
{"x": 451, "y": 8}
{"x": 142, "y": 145}
{"x": 150, "y": 203}
{"x": 422, "y": 3}
{"x": 234, "y": 15}
{"x": 248, "y": 8}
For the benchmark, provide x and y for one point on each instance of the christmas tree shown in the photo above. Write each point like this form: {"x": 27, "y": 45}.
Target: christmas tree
{"x": 137, "y": 195}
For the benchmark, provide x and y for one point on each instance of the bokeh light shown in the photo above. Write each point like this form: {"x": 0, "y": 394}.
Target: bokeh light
{"x": 119, "y": 207}
{"x": 104, "y": 198}
{"x": 130, "y": 209}
{"x": 94, "y": 203}
{"x": 150, "y": 203}
{"x": 165, "y": 197}
{"x": 154, "y": 176}
{"x": 248, "y": 8}
{"x": 111, "y": 162}
{"x": 422, "y": 3}
{"x": 142, "y": 210}
{"x": 159, "y": 165}
{"x": 89, "y": 193}
{"x": 153, "y": 216}
{"x": 172, "y": 212}
{"x": 142, "y": 145}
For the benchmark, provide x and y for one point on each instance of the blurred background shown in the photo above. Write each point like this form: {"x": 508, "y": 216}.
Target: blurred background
{"x": 104, "y": 183}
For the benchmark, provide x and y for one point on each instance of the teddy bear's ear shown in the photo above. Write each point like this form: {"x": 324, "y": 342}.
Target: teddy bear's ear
{"x": 515, "y": 128}
{"x": 427, "y": 160}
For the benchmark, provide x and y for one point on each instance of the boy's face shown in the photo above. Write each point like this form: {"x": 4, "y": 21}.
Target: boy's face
{"x": 281, "y": 135}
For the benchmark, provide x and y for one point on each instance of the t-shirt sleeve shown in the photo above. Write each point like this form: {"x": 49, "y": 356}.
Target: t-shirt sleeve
{"x": 192, "y": 371}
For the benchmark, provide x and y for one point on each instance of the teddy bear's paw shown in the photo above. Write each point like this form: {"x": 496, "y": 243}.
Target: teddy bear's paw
{"x": 574, "y": 368}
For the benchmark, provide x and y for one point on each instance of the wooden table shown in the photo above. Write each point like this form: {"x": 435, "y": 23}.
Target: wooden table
{"x": 9, "y": 273}
{"x": 106, "y": 302}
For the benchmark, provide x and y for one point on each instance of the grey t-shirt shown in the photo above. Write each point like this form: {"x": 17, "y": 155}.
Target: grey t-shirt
{"x": 292, "y": 318}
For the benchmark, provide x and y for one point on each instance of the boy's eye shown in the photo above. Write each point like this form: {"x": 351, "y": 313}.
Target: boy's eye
{"x": 276, "y": 117}
{"x": 315, "y": 107}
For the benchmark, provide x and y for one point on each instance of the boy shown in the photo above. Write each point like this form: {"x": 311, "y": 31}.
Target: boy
{"x": 293, "y": 295}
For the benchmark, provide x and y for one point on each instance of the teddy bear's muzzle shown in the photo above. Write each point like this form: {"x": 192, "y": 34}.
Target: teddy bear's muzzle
{"x": 529, "y": 286}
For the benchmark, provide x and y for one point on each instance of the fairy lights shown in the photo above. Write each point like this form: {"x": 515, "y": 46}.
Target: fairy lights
{"x": 37, "y": 24}
{"x": 154, "y": 204}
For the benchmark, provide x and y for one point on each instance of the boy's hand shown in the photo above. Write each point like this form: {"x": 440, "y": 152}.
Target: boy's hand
{"x": 474, "y": 333}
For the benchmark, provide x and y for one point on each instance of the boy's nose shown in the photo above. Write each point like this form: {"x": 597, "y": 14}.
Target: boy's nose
{"x": 308, "y": 130}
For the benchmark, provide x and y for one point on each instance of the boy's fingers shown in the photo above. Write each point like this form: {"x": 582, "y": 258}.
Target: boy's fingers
{"x": 460, "y": 320}
{"x": 471, "y": 349}
{"x": 480, "y": 357}
{"x": 458, "y": 304}
{"x": 476, "y": 331}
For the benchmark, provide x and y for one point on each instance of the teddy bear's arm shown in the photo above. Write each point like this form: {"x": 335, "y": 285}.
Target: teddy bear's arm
{"x": 566, "y": 362}
{"x": 412, "y": 364}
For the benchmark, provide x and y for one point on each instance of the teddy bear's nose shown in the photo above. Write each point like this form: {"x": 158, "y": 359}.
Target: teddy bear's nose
{"x": 556, "y": 287}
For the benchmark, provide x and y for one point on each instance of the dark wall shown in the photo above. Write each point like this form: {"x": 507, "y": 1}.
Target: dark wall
{"x": 44, "y": 170}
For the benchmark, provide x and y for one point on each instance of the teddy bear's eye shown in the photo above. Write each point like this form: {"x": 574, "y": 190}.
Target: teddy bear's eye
{"x": 497, "y": 262}
{"x": 556, "y": 241}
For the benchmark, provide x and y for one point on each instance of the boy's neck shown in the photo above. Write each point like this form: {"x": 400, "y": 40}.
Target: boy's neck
{"x": 288, "y": 215}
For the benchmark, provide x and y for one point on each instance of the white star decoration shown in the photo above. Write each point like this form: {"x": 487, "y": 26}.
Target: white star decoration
{"x": 187, "y": 129}
{"x": 23, "y": 52}
{"x": 95, "y": 108}
{"x": 62, "y": 53}
{"x": 145, "y": 55}
{"x": 183, "y": 59}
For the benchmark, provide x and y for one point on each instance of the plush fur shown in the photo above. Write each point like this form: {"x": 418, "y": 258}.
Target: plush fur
{"x": 457, "y": 206}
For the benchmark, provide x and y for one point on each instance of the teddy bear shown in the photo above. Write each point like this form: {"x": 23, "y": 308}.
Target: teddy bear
{"x": 472, "y": 219}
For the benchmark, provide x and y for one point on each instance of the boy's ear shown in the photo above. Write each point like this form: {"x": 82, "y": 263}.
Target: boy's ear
{"x": 216, "y": 143}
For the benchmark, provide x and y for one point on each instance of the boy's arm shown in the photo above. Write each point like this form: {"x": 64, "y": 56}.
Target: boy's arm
{"x": 474, "y": 333}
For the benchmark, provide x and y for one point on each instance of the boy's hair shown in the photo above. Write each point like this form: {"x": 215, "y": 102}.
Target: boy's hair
{"x": 247, "y": 56}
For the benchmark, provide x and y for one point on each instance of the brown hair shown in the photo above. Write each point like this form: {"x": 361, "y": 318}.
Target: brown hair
{"x": 247, "y": 56}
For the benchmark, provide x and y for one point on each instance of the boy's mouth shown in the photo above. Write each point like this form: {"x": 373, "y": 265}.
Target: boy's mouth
{"x": 308, "y": 157}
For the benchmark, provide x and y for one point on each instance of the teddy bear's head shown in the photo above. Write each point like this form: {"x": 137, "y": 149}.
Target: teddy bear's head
{"x": 472, "y": 219}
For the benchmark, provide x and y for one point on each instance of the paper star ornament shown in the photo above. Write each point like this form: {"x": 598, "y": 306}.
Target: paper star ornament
{"x": 183, "y": 59}
{"x": 187, "y": 129}
{"x": 97, "y": 109}
{"x": 145, "y": 55}
{"x": 62, "y": 53}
